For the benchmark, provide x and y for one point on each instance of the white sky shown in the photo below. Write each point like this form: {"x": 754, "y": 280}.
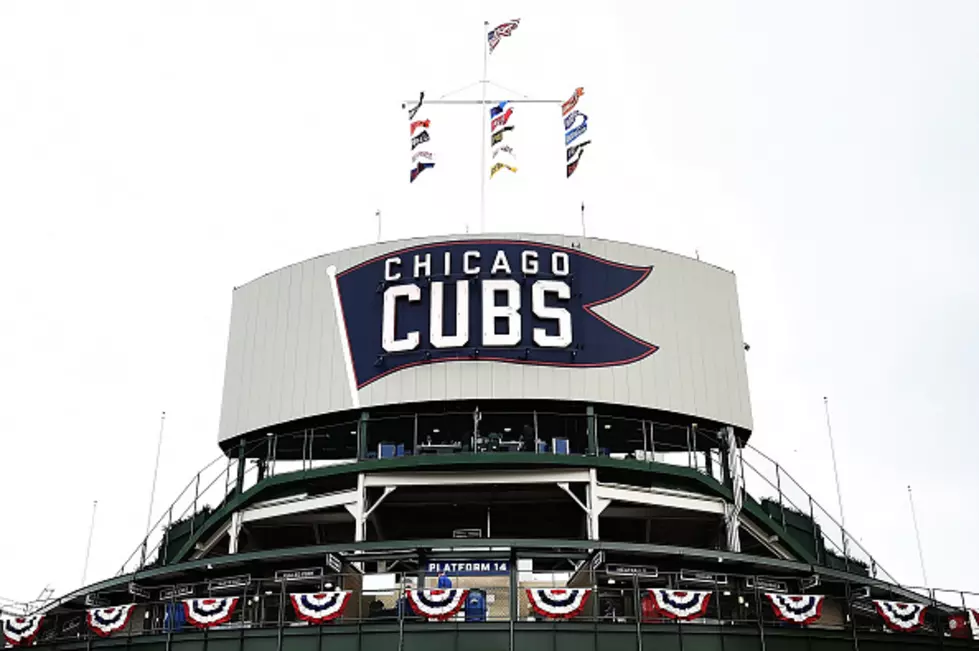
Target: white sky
{"x": 155, "y": 154}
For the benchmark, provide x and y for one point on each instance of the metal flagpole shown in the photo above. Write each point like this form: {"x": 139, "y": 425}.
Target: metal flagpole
{"x": 378, "y": 215}
{"x": 836, "y": 474}
{"x": 917, "y": 537}
{"x": 583, "y": 219}
{"x": 88, "y": 548}
{"x": 482, "y": 133}
{"x": 156, "y": 469}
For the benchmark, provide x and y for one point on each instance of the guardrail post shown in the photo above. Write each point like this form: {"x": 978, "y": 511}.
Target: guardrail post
{"x": 592, "y": 430}
{"x": 197, "y": 494}
{"x": 637, "y": 609}
{"x": 778, "y": 486}
{"x": 362, "y": 435}
{"x": 240, "y": 486}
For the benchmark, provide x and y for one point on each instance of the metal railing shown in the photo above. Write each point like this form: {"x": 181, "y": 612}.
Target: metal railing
{"x": 735, "y": 602}
{"x": 781, "y": 496}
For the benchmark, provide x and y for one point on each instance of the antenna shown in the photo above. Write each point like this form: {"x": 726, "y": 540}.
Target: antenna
{"x": 836, "y": 475}
{"x": 156, "y": 469}
{"x": 917, "y": 537}
{"x": 88, "y": 548}
{"x": 583, "y": 219}
{"x": 378, "y": 215}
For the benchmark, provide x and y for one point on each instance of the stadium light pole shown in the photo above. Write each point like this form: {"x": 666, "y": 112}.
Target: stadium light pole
{"x": 917, "y": 538}
{"x": 156, "y": 469}
{"x": 836, "y": 476}
{"x": 88, "y": 547}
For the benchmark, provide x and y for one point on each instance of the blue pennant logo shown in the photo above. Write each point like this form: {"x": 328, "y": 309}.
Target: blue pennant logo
{"x": 486, "y": 300}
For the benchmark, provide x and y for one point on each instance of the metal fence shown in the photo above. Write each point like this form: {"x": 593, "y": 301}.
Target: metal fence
{"x": 736, "y": 602}
{"x": 537, "y": 432}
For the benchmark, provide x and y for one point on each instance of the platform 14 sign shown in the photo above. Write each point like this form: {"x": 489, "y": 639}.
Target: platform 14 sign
{"x": 490, "y": 300}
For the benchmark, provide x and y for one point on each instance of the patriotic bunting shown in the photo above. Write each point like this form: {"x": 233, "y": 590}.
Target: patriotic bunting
{"x": 204, "y": 613}
{"x": 499, "y": 116}
{"x": 901, "y": 616}
{"x": 437, "y": 604}
{"x": 575, "y": 126}
{"x": 796, "y": 608}
{"x": 418, "y": 130}
{"x": 106, "y": 621}
{"x": 680, "y": 604}
{"x": 319, "y": 607}
{"x": 558, "y": 603}
{"x": 500, "y": 32}
{"x": 21, "y": 631}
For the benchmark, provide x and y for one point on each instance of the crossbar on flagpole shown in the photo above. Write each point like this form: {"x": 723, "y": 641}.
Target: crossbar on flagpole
{"x": 489, "y": 101}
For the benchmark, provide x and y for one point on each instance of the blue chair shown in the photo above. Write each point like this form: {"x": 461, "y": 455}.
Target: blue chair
{"x": 386, "y": 451}
{"x": 542, "y": 447}
{"x": 560, "y": 446}
{"x": 400, "y": 450}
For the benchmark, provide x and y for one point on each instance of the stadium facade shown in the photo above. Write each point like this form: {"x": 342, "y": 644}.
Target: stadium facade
{"x": 493, "y": 442}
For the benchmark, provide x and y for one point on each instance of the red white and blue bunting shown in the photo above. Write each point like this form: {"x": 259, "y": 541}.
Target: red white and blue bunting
{"x": 901, "y": 615}
{"x": 21, "y": 631}
{"x": 681, "y": 604}
{"x": 437, "y": 604}
{"x": 796, "y": 608}
{"x": 204, "y": 613}
{"x": 558, "y": 603}
{"x": 318, "y": 607}
{"x": 106, "y": 621}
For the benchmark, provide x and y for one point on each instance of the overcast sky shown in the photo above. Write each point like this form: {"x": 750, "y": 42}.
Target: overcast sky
{"x": 153, "y": 155}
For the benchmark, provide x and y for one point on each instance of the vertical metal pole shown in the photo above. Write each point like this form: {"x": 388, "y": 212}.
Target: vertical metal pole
{"x": 482, "y": 133}
{"x": 156, "y": 468}
{"x": 88, "y": 547}
{"x": 917, "y": 537}
{"x": 414, "y": 440}
{"x": 778, "y": 486}
{"x": 536, "y": 435}
{"x": 652, "y": 441}
{"x": 378, "y": 215}
{"x": 197, "y": 494}
{"x": 166, "y": 538}
{"x": 637, "y": 608}
{"x": 583, "y": 235}
{"x": 836, "y": 476}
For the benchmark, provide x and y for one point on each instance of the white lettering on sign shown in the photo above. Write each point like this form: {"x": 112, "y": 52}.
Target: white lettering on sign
{"x": 467, "y": 262}
{"x": 528, "y": 262}
{"x": 389, "y": 272}
{"x": 500, "y": 263}
{"x": 563, "y": 337}
{"x": 461, "y": 337}
{"x": 388, "y": 340}
{"x": 510, "y": 310}
{"x": 500, "y": 297}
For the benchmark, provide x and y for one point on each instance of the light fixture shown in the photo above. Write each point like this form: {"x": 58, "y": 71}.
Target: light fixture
{"x": 727, "y": 593}
{"x": 608, "y": 426}
{"x": 506, "y": 429}
{"x": 435, "y": 431}
{"x": 740, "y": 599}
{"x": 611, "y": 581}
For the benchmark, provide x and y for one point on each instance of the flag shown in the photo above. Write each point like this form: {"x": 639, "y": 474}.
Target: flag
{"x": 574, "y": 134}
{"x": 418, "y": 169}
{"x": 503, "y": 149}
{"x": 574, "y": 129}
{"x": 573, "y": 165}
{"x": 423, "y": 159}
{"x": 496, "y": 110}
{"x": 570, "y": 119}
{"x": 574, "y": 149}
{"x": 572, "y": 101}
{"x": 499, "y": 166}
{"x": 498, "y": 136}
{"x": 414, "y": 110}
{"x": 500, "y": 120}
{"x": 422, "y": 137}
{"x": 497, "y": 33}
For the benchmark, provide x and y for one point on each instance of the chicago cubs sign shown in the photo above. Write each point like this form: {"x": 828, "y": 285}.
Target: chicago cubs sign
{"x": 493, "y": 300}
